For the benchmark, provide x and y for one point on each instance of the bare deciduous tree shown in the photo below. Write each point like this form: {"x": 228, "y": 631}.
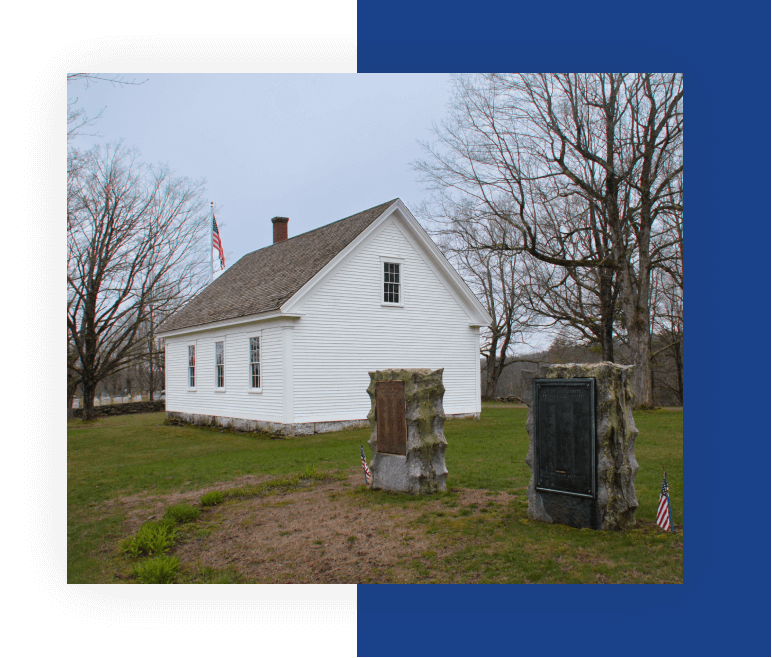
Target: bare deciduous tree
{"x": 133, "y": 238}
{"x": 580, "y": 299}
{"x": 77, "y": 119}
{"x": 517, "y": 145}
{"x": 668, "y": 303}
{"x": 668, "y": 335}
{"x": 495, "y": 277}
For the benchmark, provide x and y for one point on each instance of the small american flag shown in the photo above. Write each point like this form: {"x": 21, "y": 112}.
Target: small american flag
{"x": 663, "y": 512}
{"x": 216, "y": 244}
{"x": 368, "y": 475}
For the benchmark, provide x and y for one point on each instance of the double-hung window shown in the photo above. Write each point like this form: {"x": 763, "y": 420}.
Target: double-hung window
{"x": 391, "y": 283}
{"x": 254, "y": 362}
{"x": 219, "y": 364}
{"x": 191, "y": 366}
{"x": 392, "y": 273}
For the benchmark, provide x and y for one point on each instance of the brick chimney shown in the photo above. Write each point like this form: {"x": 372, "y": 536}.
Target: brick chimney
{"x": 279, "y": 229}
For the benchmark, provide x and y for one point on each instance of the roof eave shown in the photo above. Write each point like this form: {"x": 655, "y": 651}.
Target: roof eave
{"x": 231, "y": 322}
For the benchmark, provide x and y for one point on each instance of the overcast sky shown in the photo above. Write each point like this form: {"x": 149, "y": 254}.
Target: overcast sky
{"x": 314, "y": 148}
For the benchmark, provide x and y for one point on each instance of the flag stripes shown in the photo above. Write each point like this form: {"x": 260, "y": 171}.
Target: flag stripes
{"x": 216, "y": 244}
{"x": 368, "y": 475}
{"x": 663, "y": 511}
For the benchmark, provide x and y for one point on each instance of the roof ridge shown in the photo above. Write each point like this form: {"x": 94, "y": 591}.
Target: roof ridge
{"x": 319, "y": 228}
{"x": 263, "y": 279}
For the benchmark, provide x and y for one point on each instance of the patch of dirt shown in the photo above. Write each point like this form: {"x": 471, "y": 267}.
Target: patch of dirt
{"x": 149, "y": 507}
{"x": 325, "y": 534}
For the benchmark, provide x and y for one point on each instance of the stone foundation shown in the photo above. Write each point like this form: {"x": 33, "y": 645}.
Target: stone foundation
{"x": 282, "y": 429}
{"x": 614, "y": 505}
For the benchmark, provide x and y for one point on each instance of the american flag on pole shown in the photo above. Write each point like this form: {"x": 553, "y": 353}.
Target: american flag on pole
{"x": 663, "y": 511}
{"x": 216, "y": 244}
{"x": 368, "y": 475}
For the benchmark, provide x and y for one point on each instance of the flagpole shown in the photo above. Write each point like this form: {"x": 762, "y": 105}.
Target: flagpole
{"x": 211, "y": 242}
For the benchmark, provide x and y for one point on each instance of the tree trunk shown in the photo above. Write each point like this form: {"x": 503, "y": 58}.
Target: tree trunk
{"x": 491, "y": 378}
{"x": 150, "y": 374}
{"x": 677, "y": 347}
{"x": 635, "y": 317}
{"x": 72, "y": 387}
{"x": 607, "y": 303}
{"x": 635, "y": 284}
{"x": 638, "y": 339}
{"x": 88, "y": 400}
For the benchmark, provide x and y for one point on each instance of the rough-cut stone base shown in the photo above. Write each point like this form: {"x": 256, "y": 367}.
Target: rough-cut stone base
{"x": 281, "y": 429}
{"x": 422, "y": 470}
{"x": 391, "y": 473}
{"x": 475, "y": 416}
{"x": 614, "y": 506}
{"x": 568, "y": 510}
{"x": 245, "y": 425}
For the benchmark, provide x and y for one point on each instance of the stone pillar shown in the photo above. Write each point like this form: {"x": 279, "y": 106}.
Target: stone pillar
{"x": 613, "y": 505}
{"x": 410, "y": 457}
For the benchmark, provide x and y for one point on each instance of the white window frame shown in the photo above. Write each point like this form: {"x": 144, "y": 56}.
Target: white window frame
{"x": 396, "y": 261}
{"x": 220, "y": 389}
{"x": 259, "y": 336}
{"x": 194, "y": 345}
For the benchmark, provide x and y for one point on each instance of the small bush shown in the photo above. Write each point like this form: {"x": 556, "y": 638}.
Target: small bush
{"x": 182, "y": 513}
{"x": 308, "y": 473}
{"x": 212, "y": 498}
{"x": 161, "y": 569}
{"x": 153, "y": 538}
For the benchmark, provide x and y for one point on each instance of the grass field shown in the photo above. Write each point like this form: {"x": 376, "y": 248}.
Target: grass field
{"x": 492, "y": 541}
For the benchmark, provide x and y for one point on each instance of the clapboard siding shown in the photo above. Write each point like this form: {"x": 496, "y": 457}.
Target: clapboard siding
{"x": 237, "y": 401}
{"x": 345, "y": 332}
{"x": 315, "y": 367}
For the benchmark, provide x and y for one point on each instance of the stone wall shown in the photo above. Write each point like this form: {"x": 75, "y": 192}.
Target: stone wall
{"x": 127, "y": 408}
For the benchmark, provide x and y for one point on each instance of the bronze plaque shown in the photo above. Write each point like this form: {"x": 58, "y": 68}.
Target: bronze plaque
{"x": 564, "y": 426}
{"x": 390, "y": 415}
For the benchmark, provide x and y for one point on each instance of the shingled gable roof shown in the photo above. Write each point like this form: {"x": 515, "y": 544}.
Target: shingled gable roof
{"x": 264, "y": 279}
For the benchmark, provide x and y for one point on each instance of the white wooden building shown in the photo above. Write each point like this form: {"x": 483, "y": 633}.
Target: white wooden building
{"x": 285, "y": 338}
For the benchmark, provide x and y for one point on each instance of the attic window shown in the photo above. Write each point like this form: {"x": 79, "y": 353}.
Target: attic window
{"x": 391, "y": 283}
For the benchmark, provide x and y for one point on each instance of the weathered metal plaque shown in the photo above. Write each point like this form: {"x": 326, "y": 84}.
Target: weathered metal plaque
{"x": 390, "y": 417}
{"x": 564, "y": 446}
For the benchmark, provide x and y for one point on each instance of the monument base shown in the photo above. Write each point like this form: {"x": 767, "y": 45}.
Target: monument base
{"x": 416, "y": 429}
{"x": 567, "y": 510}
{"x": 612, "y": 504}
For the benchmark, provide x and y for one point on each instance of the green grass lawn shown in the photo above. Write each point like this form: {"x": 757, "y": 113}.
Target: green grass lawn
{"x": 130, "y": 454}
